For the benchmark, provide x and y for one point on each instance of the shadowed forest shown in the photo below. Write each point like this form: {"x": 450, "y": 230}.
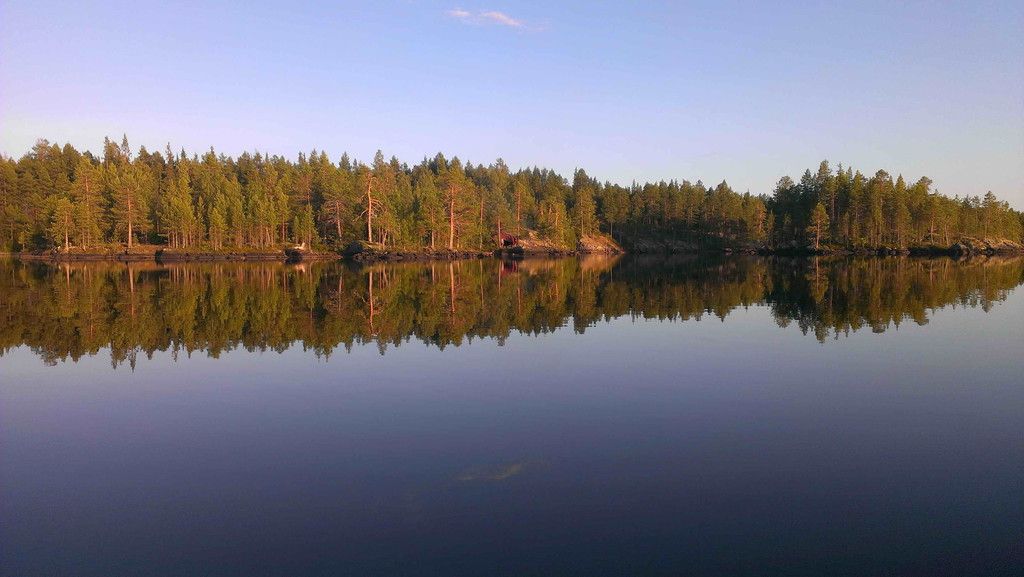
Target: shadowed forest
{"x": 67, "y": 311}
{"x": 56, "y": 197}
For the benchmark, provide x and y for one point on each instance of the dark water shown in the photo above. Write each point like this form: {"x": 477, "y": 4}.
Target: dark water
{"x": 740, "y": 416}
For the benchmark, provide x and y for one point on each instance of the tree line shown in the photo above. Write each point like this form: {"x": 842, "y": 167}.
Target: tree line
{"x": 75, "y": 309}
{"x": 846, "y": 208}
{"x": 57, "y": 197}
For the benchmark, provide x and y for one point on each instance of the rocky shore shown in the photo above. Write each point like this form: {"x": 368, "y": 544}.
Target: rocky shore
{"x": 589, "y": 244}
{"x": 362, "y": 251}
{"x": 964, "y": 247}
{"x": 170, "y": 255}
{"x": 986, "y": 246}
{"x": 136, "y": 254}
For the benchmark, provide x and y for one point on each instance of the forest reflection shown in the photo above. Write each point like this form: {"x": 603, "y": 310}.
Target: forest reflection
{"x": 63, "y": 312}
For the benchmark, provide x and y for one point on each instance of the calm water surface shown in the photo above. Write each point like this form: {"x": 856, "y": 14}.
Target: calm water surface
{"x": 661, "y": 416}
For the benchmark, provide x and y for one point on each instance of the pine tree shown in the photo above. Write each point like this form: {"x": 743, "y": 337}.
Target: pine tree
{"x": 218, "y": 226}
{"x": 454, "y": 186}
{"x": 819, "y": 224}
{"x": 128, "y": 184}
{"x": 520, "y": 191}
{"x": 338, "y": 195}
{"x": 86, "y": 193}
{"x": 583, "y": 210}
{"x": 62, "y": 222}
{"x": 429, "y": 211}
{"x": 371, "y": 205}
{"x": 10, "y": 215}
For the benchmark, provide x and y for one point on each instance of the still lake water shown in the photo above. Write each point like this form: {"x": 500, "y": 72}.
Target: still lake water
{"x": 633, "y": 416}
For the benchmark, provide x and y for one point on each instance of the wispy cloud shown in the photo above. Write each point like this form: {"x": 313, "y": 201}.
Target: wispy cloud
{"x": 486, "y": 17}
{"x": 501, "y": 18}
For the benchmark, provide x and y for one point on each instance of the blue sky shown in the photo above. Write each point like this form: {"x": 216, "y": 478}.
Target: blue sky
{"x": 709, "y": 90}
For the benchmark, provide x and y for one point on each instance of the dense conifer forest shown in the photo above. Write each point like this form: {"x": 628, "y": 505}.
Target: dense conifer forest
{"x": 56, "y": 197}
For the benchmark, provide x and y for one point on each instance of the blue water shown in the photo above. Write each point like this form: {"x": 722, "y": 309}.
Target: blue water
{"x": 728, "y": 445}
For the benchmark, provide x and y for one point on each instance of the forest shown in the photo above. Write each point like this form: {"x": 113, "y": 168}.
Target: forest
{"x": 80, "y": 309}
{"x": 55, "y": 197}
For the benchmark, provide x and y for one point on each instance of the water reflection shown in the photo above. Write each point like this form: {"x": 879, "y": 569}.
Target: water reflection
{"x": 67, "y": 311}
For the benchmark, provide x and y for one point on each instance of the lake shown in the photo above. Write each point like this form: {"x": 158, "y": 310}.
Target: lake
{"x": 600, "y": 416}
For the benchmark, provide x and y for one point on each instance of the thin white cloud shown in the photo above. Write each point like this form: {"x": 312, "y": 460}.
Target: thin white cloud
{"x": 501, "y": 18}
{"x": 485, "y": 17}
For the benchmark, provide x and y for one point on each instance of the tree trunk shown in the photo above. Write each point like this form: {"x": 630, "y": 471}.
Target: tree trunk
{"x": 519, "y": 220}
{"x": 451, "y": 222}
{"x": 369, "y": 209}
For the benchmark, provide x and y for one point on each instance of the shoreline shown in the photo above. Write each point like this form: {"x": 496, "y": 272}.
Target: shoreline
{"x": 361, "y": 251}
{"x": 963, "y": 247}
{"x": 292, "y": 256}
{"x": 446, "y": 255}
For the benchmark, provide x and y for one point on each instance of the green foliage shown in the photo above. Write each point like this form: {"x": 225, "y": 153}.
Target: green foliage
{"x": 62, "y": 222}
{"x": 87, "y": 195}
{"x": 584, "y": 208}
{"x": 129, "y": 187}
{"x": 263, "y": 202}
{"x": 819, "y": 224}
{"x": 878, "y": 212}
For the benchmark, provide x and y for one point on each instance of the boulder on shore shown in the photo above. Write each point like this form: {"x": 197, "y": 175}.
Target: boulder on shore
{"x": 597, "y": 243}
{"x": 970, "y": 245}
{"x": 362, "y": 247}
{"x": 539, "y": 246}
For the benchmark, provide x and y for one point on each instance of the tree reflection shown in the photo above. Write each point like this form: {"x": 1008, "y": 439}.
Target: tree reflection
{"x": 66, "y": 311}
